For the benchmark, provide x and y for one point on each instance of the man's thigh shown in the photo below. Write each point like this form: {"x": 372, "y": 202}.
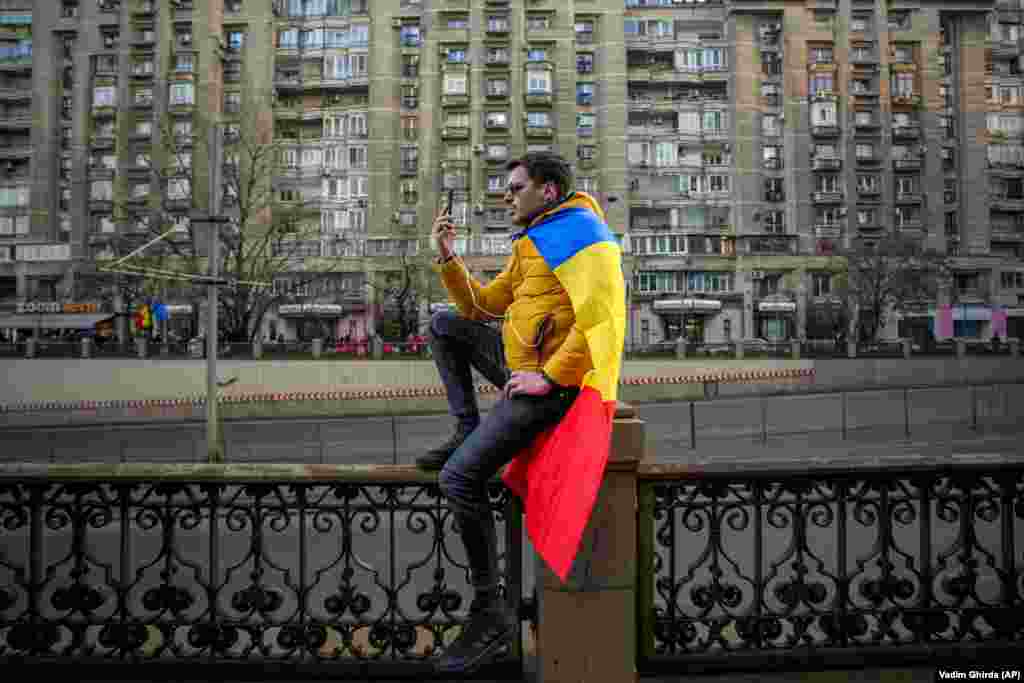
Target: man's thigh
{"x": 483, "y": 342}
{"x": 509, "y": 427}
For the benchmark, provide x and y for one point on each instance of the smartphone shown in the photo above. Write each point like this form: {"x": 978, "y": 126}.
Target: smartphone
{"x": 451, "y": 202}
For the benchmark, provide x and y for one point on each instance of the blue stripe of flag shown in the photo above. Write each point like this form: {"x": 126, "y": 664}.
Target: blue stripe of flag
{"x": 568, "y": 232}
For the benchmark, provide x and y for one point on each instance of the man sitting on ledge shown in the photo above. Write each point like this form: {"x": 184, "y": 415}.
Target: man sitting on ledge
{"x": 539, "y": 360}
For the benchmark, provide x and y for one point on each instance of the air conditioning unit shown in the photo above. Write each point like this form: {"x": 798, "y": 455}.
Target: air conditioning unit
{"x": 396, "y": 23}
{"x": 478, "y": 149}
{"x": 757, "y": 275}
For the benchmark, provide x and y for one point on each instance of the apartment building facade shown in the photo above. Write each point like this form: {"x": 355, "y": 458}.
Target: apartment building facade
{"x": 735, "y": 145}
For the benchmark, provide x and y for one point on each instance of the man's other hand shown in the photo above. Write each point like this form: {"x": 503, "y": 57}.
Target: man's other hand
{"x": 527, "y": 383}
{"x": 444, "y": 232}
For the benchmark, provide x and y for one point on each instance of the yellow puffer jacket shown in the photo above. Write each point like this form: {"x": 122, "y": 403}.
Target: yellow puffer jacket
{"x": 527, "y": 292}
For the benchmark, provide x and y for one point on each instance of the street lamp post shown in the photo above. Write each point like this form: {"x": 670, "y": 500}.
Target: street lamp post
{"x": 214, "y": 443}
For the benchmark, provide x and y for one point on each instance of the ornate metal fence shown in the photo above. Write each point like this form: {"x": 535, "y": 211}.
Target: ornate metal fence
{"x": 780, "y": 569}
{"x": 350, "y": 569}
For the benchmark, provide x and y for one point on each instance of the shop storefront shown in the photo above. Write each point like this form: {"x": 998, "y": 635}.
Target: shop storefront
{"x": 53, "y": 319}
{"x": 689, "y": 318}
{"x": 776, "y": 320}
{"x": 969, "y": 321}
{"x": 306, "y": 322}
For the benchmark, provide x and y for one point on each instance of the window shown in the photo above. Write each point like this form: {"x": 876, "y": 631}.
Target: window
{"x": 867, "y": 217}
{"x": 537, "y": 22}
{"x": 865, "y": 150}
{"x": 868, "y": 184}
{"x": 410, "y": 97}
{"x": 410, "y": 36}
{"x": 863, "y": 118}
{"x": 460, "y": 21}
{"x": 536, "y": 54}
{"x": 772, "y": 156}
{"x": 584, "y": 63}
{"x": 410, "y": 127}
{"x": 496, "y": 183}
{"x": 584, "y": 93}
{"x": 496, "y": 119}
{"x": 182, "y": 93}
{"x": 586, "y": 184}
{"x": 410, "y": 66}
{"x": 184, "y": 63}
{"x": 770, "y": 125}
{"x": 183, "y": 38}
{"x": 903, "y": 84}
{"x": 903, "y": 54}
{"x": 104, "y": 96}
{"x": 105, "y": 64}
{"x": 906, "y": 185}
{"x": 823, "y": 114}
{"x": 456, "y": 152}
{"x": 497, "y": 152}
{"x": 861, "y": 86}
{"x": 109, "y": 37}
{"x": 497, "y": 87}
{"x": 821, "y": 55}
{"x": 456, "y": 55}
{"x": 827, "y": 183}
{"x": 233, "y": 6}
{"x": 862, "y": 53}
{"x": 585, "y": 121}
{"x": 949, "y": 191}
{"x": 826, "y": 216}
{"x": 860, "y": 22}
{"x": 457, "y": 120}
{"x": 538, "y": 119}
{"x": 69, "y": 9}
{"x": 821, "y": 84}
{"x": 538, "y": 82}
{"x": 141, "y": 190}
{"x": 497, "y": 24}
{"x": 144, "y": 128}
{"x": 235, "y": 40}
{"x": 357, "y": 157}
{"x": 456, "y": 85}
{"x": 584, "y": 31}
{"x": 142, "y": 67}
{"x": 495, "y": 55}
{"x": 232, "y": 102}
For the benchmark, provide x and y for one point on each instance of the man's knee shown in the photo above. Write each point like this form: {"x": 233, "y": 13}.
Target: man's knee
{"x": 442, "y": 323}
{"x": 456, "y": 486}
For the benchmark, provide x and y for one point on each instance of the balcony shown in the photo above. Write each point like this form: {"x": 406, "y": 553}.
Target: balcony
{"x": 906, "y": 100}
{"x": 830, "y": 131}
{"x": 12, "y": 152}
{"x": 826, "y": 164}
{"x": 909, "y": 198}
{"x": 775, "y": 196}
{"x": 906, "y": 132}
{"x": 910, "y": 228}
{"x": 451, "y": 35}
{"x": 868, "y": 160}
{"x": 1005, "y": 203}
{"x": 104, "y": 112}
{"x": 497, "y": 60}
{"x": 772, "y": 164}
{"x": 459, "y": 100}
{"x": 539, "y": 131}
{"x": 827, "y": 231}
{"x": 1007, "y": 234}
{"x": 498, "y": 29}
{"x": 827, "y": 197}
{"x": 869, "y": 192}
{"x": 863, "y": 126}
{"x": 538, "y": 98}
{"x": 907, "y": 164}
{"x": 455, "y": 133}
{"x": 16, "y": 121}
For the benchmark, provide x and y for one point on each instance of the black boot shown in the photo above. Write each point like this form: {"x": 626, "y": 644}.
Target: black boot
{"x": 437, "y": 457}
{"x": 490, "y": 628}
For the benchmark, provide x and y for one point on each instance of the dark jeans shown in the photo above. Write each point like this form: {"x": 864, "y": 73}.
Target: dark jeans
{"x": 510, "y": 426}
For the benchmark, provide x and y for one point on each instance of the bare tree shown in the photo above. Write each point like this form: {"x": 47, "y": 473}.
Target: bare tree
{"x": 894, "y": 273}
{"x": 269, "y": 251}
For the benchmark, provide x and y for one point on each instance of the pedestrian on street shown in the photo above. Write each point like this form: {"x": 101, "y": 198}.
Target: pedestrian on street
{"x": 556, "y": 361}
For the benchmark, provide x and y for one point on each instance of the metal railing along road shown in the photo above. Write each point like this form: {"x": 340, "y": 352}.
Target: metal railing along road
{"x": 350, "y": 571}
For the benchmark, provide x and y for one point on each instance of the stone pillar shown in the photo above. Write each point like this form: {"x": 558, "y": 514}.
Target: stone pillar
{"x": 906, "y": 348}
{"x": 86, "y": 347}
{"x": 738, "y": 347}
{"x": 30, "y": 347}
{"x": 961, "y": 348}
{"x": 257, "y": 348}
{"x": 794, "y": 348}
{"x": 318, "y": 347}
{"x": 587, "y": 626}
{"x": 377, "y": 346}
{"x": 140, "y": 346}
{"x": 1014, "y": 347}
{"x": 681, "y": 348}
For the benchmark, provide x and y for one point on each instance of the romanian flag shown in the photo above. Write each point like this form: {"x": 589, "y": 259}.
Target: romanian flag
{"x": 558, "y": 477}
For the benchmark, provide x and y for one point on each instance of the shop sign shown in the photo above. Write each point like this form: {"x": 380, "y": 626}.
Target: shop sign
{"x": 56, "y": 307}
{"x": 315, "y": 309}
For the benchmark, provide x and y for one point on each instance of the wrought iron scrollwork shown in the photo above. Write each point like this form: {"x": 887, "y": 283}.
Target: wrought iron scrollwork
{"x": 775, "y": 562}
{"x": 267, "y": 571}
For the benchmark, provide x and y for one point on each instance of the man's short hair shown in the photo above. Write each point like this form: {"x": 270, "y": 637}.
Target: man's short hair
{"x": 545, "y": 167}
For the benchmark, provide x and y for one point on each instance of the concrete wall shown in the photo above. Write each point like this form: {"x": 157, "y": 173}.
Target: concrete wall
{"x": 29, "y": 381}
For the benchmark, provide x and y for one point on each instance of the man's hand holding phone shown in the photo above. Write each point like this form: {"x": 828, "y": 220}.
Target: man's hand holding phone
{"x": 444, "y": 230}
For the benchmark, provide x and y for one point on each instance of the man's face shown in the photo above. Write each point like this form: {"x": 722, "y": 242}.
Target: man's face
{"x": 524, "y": 196}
